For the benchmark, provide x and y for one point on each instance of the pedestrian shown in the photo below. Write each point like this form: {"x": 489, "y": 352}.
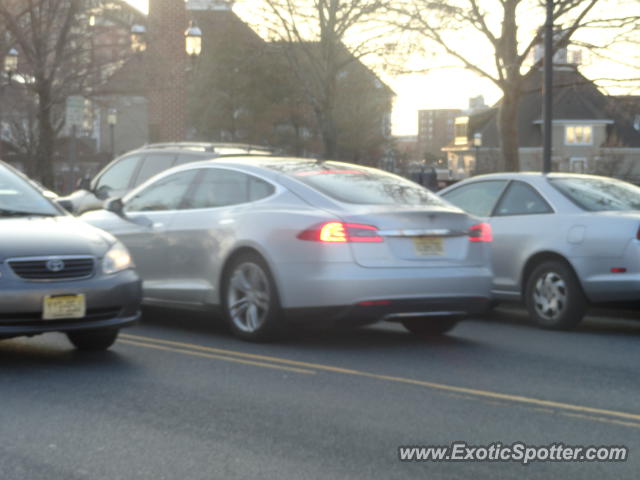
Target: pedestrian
{"x": 430, "y": 178}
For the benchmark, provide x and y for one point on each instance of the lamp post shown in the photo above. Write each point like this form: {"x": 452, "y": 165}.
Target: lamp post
{"x": 547, "y": 89}
{"x": 138, "y": 38}
{"x": 477, "y": 143}
{"x": 193, "y": 40}
{"x": 9, "y": 68}
{"x": 112, "y": 120}
{"x": 11, "y": 63}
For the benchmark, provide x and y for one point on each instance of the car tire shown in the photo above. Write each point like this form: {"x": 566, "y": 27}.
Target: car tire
{"x": 250, "y": 301}
{"x": 430, "y": 326}
{"x": 554, "y": 296}
{"x": 93, "y": 340}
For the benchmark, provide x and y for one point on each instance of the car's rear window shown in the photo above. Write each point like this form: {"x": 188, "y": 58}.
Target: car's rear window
{"x": 599, "y": 194}
{"x": 360, "y": 185}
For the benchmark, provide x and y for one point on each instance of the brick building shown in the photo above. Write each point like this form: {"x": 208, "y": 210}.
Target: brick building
{"x": 435, "y": 131}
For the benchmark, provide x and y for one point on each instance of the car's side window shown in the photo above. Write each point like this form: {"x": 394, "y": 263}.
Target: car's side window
{"x": 118, "y": 177}
{"x": 477, "y": 198}
{"x": 220, "y": 187}
{"x": 153, "y": 164}
{"x": 167, "y": 193}
{"x": 521, "y": 199}
{"x": 259, "y": 189}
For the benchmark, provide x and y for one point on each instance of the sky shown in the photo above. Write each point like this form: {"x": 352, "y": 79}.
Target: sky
{"x": 448, "y": 87}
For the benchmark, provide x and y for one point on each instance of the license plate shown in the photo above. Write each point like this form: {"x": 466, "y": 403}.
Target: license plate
{"x": 428, "y": 246}
{"x": 63, "y": 306}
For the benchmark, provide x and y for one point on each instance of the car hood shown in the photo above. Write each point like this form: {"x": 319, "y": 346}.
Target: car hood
{"x": 41, "y": 236}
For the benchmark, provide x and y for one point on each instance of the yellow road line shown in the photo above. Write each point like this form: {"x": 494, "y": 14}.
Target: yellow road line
{"x": 487, "y": 394}
{"x": 217, "y": 357}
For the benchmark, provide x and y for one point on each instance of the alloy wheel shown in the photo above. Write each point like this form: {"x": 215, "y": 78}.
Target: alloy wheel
{"x": 248, "y": 297}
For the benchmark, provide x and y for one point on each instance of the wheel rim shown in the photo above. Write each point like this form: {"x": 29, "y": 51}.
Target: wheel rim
{"x": 550, "y": 296}
{"x": 248, "y": 297}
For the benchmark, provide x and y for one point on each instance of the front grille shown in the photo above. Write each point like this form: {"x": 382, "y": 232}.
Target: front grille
{"x": 53, "y": 268}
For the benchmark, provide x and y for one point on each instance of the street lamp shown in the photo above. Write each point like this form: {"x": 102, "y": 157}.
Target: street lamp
{"x": 112, "y": 119}
{"x": 193, "y": 40}
{"x": 11, "y": 63}
{"x": 138, "y": 38}
{"x": 477, "y": 143}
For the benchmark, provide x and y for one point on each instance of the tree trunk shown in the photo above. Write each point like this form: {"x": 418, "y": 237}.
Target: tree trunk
{"x": 328, "y": 132}
{"x": 508, "y": 130}
{"x": 46, "y": 138}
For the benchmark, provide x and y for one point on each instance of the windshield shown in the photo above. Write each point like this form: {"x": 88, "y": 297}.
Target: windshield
{"x": 17, "y": 197}
{"x": 599, "y": 194}
{"x": 360, "y": 185}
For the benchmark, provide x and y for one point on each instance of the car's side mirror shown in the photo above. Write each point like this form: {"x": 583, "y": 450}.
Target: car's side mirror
{"x": 115, "y": 205}
{"x": 66, "y": 204}
{"x": 102, "y": 192}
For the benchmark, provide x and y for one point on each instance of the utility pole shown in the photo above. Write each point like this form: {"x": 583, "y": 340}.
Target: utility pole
{"x": 547, "y": 111}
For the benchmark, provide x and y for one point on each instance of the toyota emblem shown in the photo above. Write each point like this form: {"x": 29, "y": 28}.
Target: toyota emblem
{"x": 55, "y": 265}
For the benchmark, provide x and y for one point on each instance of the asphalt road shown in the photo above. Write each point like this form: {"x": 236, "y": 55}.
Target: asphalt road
{"x": 179, "y": 398}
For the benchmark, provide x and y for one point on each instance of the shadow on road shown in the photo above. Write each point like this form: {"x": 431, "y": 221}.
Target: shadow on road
{"x": 597, "y": 321}
{"x": 382, "y": 335}
{"x": 47, "y": 351}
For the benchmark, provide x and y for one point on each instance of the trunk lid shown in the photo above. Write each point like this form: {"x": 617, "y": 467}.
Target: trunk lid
{"x": 415, "y": 237}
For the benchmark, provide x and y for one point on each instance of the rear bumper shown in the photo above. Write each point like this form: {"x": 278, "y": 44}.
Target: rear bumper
{"x": 396, "y": 310}
{"x": 318, "y": 285}
{"x": 614, "y": 287}
{"x": 112, "y": 301}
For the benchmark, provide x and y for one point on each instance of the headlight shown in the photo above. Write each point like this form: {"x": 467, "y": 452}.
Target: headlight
{"x": 116, "y": 259}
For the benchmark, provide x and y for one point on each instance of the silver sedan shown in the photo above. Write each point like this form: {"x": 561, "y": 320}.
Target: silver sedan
{"x": 560, "y": 240}
{"x": 279, "y": 240}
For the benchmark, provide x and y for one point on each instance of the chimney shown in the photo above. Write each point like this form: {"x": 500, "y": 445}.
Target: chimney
{"x": 166, "y": 68}
{"x": 559, "y": 58}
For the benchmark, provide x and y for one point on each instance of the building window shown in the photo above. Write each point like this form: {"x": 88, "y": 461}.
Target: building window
{"x": 578, "y": 135}
{"x": 460, "y": 134}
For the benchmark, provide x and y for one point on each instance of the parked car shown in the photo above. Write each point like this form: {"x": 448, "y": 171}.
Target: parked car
{"x": 133, "y": 168}
{"x": 280, "y": 240}
{"x": 561, "y": 240}
{"x": 58, "y": 274}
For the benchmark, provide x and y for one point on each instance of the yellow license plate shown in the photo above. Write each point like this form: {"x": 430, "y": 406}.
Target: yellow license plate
{"x": 63, "y": 306}
{"x": 428, "y": 246}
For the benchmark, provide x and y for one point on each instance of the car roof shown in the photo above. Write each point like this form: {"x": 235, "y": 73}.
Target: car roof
{"x": 529, "y": 176}
{"x": 271, "y": 162}
{"x": 207, "y": 148}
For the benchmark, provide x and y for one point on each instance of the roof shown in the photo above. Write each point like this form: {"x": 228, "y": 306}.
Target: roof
{"x": 575, "y": 97}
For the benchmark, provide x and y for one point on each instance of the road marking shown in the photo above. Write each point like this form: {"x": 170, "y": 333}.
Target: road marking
{"x": 217, "y": 357}
{"x": 581, "y": 410}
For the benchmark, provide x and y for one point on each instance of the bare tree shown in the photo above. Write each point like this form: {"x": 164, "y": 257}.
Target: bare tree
{"x": 496, "y": 25}
{"x": 56, "y": 49}
{"x": 321, "y": 39}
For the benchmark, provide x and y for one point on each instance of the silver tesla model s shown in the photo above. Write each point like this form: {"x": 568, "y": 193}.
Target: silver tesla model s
{"x": 279, "y": 240}
{"x": 561, "y": 240}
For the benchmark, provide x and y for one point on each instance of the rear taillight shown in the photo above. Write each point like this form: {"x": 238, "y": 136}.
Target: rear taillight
{"x": 480, "y": 233}
{"x": 339, "y": 232}
{"x": 638, "y": 234}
